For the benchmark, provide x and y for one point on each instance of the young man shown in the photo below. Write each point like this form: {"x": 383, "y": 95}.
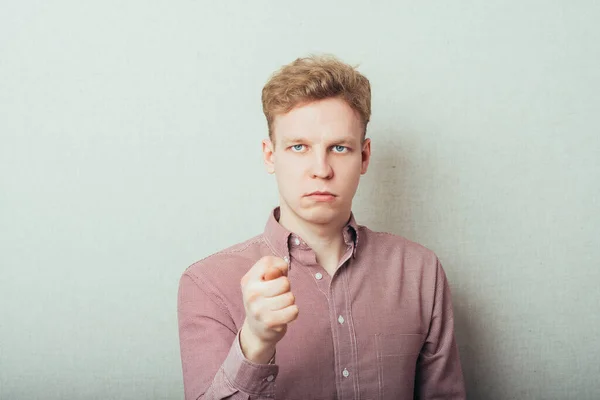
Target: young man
{"x": 317, "y": 306}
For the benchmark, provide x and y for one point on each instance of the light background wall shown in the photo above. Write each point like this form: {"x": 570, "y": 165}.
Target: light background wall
{"x": 130, "y": 147}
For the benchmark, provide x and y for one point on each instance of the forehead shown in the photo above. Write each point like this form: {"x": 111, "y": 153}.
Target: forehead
{"x": 319, "y": 120}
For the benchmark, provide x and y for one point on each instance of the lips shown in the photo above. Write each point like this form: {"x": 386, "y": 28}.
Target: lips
{"x": 319, "y": 193}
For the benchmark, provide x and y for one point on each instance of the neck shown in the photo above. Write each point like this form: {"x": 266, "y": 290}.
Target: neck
{"x": 326, "y": 240}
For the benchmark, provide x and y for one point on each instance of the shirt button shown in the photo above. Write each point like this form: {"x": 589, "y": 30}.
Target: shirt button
{"x": 345, "y": 373}
{"x": 297, "y": 242}
{"x": 319, "y": 276}
{"x": 341, "y": 319}
{"x": 286, "y": 259}
{"x": 270, "y": 378}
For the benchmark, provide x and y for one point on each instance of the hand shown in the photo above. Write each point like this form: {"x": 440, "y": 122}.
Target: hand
{"x": 270, "y": 307}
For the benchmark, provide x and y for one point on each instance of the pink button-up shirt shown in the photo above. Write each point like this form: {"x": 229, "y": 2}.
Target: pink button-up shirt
{"x": 380, "y": 328}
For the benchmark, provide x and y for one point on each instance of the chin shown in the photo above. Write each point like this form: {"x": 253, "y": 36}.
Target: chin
{"x": 319, "y": 213}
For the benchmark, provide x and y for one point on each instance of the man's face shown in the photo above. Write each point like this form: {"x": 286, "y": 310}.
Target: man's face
{"x": 318, "y": 149}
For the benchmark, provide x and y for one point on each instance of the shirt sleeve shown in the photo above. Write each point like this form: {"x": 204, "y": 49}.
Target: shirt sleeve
{"x": 439, "y": 373}
{"x": 214, "y": 366}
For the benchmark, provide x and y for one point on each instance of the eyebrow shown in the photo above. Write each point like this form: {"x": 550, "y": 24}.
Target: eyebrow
{"x": 343, "y": 140}
{"x": 293, "y": 140}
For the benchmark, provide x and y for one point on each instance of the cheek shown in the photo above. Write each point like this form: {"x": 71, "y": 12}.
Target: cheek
{"x": 290, "y": 173}
{"x": 349, "y": 168}
{"x": 290, "y": 166}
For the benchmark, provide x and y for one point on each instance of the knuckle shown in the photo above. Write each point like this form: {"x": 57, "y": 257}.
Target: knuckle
{"x": 254, "y": 312}
{"x": 252, "y": 296}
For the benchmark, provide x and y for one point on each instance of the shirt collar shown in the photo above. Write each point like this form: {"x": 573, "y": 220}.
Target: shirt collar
{"x": 280, "y": 239}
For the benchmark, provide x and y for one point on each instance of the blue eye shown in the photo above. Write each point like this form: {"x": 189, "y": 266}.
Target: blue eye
{"x": 339, "y": 149}
{"x": 297, "y": 147}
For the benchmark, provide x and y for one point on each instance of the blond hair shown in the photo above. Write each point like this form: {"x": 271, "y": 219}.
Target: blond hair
{"x": 315, "y": 78}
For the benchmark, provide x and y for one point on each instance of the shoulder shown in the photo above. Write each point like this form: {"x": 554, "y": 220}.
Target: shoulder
{"x": 391, "y": 244}
{"x": 229, "y": 264}
{"x": 402, "y": 260}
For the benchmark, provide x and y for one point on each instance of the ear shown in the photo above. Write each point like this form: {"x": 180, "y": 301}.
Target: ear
{"x": 268, "y": 149}
{"x": 366, "y": 156}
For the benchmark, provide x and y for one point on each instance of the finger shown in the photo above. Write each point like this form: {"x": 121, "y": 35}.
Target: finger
{"x": 279, "y": 263}
{"x": 279, "y": 302}
{"x": 255, "y": 291}
{"x": 285, "y": 315}
{"x": 274, "y": 287}
{"x": 258, "y": 270}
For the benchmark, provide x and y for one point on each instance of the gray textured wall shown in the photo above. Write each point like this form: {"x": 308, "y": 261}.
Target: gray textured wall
{"x": 128, "y": 128}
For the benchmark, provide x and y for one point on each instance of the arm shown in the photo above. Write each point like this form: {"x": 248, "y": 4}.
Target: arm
{"x": 214, "y": 366}
{"x": 439, "y": 373}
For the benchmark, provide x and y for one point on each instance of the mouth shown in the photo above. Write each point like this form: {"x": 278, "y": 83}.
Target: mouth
{"x": 319, "y": 193}
{"x": 321, "y": 197}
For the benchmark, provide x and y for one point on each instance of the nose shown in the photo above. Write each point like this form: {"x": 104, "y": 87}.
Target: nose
{"x": 321, "y": 167}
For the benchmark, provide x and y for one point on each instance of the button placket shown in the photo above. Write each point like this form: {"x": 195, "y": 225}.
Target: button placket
{"x": 344, "y": 344}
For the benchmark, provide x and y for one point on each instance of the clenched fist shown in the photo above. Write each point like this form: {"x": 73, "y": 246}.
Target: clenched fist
{"x": 270, "y": 307}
